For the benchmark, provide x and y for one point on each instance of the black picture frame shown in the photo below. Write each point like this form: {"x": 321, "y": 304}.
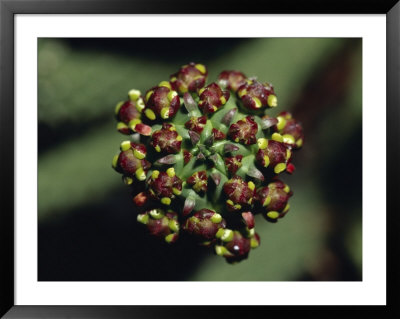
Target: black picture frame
{"x": 8, "y": 10}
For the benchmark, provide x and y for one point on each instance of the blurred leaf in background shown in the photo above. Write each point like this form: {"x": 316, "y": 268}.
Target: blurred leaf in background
{"x": 87, "y": 223}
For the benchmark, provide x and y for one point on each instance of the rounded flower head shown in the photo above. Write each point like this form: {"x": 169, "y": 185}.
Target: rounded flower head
{"x": 161, "y": 224}
{"x": 244, "y": 131}
{"x": 232, "y": 79}
{"x": 161, "y": 102}
{"x": 164, "y": 186}
{"x": 204, "y": 225}
{"x": 273, "y": 154}
{"x": 166, "y": 140}
{"x": 189, "y": 78}
{"x": 235, "y": 247}
{"x": 257, "y": 96}
{"x": 239, "y": 193}
{"x": 273, "y": 199}
{"x": 131, "y": 161}
{"x": 212, "y": 98}
{"x": 290, "y": 130}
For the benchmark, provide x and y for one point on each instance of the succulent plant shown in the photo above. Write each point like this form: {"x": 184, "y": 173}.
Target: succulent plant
{"x": 203, "y": 160}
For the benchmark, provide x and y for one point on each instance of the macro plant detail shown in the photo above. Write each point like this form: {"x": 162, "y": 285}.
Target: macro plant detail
{"x": 202, "y": 160}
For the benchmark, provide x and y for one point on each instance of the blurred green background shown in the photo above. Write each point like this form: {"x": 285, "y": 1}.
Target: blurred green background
{"x": 86, "y": 220}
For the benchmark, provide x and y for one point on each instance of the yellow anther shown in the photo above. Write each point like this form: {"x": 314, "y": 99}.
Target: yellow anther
{"x": 140, "y": 174}
{"x": 134, "y": 95}
{"x": 125, "y": 145}
{"x": 267, "y": 201}
{"x": 179, "y": 138}
{"x": 299, "y": 142}
{"x": 115, "y": 160}
{"x": 222, "y": 99}
{"x": 183, "y": 89}
{"x": 171, "y": 95}
{"x": 287, "y": 207}
{"x": 262, "y": 143}
{"x": 288, "y": 154}
{"x": 277, "y": 137}
{"x": 221, "y": 250}
{"x": 242, "y": 92}
{"x": 289, "y": 139}
{"x": 279, "y": 168}
{"x": 266, "y": 160}
{"x": 254, "y": 243}
{"x": 176, "y": 191}
{"x": 227, "y": 235}
{"x": 273, "y": 214}
{"x": 201, "y": 91}
{"x": 165, "y": 84}
{"x": 164, "y": 113}
{"x": 173, "y": 79}
{"x": 121, "y": 125}
{"x": 281, "y": 123}
{"x": 173, "y": 225}
{"x": 157, "y": 148}
{"x": 215, "y": 108}
{"x": 149, "y": 94}
{"x": 128, "y": 180}
{"x": 237, "y": 206}
{"x": 138, "y": 154}
{"x": 166, "y": 200}
{"x": 201, "y": 68}
{"x": 169, "y": 238}
{"x": 118, "y": 107}
{"x": 257, "y": 101}
{"x": 229, "y": 202}
{"x": 171, "y": 172}
{"x": 142, "y": 218}
{"x": 237, "y": 140}
{"x": 272, "y": 101}
{"x": 150, "y": 114}
{"x": 216, "y": 218}
{"x": 286, "y": 189}
{"x": 250, "y": 201}
{"x": 156, "y": 214}
{"x": 172, "y": 128}
{"x": 133, "y": 123}
{"x": 155, "y": 174}
{"x": 140, "y": 105}
{"x": 251, "y": 185}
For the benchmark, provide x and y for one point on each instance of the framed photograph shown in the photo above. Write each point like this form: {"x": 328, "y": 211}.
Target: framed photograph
{"x": 165, "y": 160}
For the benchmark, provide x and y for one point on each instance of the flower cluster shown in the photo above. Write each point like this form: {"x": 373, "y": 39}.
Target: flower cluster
{"x": 205, "y": 160}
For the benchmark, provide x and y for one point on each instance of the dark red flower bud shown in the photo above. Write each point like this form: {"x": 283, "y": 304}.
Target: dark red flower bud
{"x": 131, "y": 161}
{"x": 196, "y": 124}
{"x": 204, "y": 225}
{"x": 161, "y": 102}
{"x": 248, "y": 219}
{"x": 187, "y": 156}
{"x": 233, "y": 163}
{"x": 164, "y": 186}
{"x": 290, "y": 130}
{"x": 128, "y": 115}
{"x": 244, "y": 131}
{"x": 212, "y": 98}
{"x": 218, "y": 135}
{"x": 232, "y": 79}
{"x": 240, "y": 194}
{"x": 236, "y": 249}
{"x": 198, "y": 181}
{"x": 161, "y": 224}
{"x": 256, "y": 96}
{"x": 190, "y": 77}
{"x": 273, "y": 154}
{"x": 274, "y": 199}
{"x": 166, "y": 140}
